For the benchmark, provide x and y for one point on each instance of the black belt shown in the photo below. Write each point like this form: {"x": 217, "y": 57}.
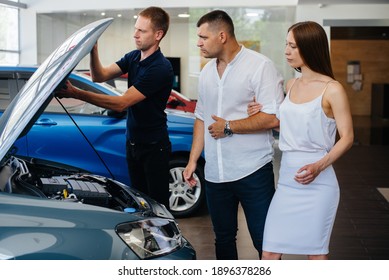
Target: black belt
{"x": 132, "y": 143}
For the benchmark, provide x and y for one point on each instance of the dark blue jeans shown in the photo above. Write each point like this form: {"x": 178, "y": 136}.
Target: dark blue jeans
{"x": 254, "y": 193}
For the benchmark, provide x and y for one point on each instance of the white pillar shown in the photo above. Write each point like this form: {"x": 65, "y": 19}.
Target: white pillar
{"x": 28, "y": 37}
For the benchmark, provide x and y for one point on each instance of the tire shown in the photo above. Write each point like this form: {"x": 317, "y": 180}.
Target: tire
{"x": 185, "y": 201}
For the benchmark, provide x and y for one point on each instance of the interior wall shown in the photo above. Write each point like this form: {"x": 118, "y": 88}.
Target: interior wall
{"x": 117, "y": 40}
{"x": 328, "y": 12}
{"x": 28, "y": 37}
{"x": 45, "y": 6}
{"x": 264, "y": 32}
{"x": 53, "y": 29}
{"x": 177, "y": 40}
{"x": 177, "y": 45}
{"x": 373, "y": 56}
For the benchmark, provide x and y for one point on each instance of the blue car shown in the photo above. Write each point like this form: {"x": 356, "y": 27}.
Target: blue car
{"x": 50, "y": 210}
{"x": 69, "y": 127}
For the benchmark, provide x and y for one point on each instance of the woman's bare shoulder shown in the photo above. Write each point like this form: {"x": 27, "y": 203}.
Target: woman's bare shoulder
{"x": 289, "y": 84}
{"x": 335, "y": 87}
{"x": 335, "y": 92}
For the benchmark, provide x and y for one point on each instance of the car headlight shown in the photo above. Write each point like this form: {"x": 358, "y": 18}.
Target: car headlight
{"x": 152, "y": 237}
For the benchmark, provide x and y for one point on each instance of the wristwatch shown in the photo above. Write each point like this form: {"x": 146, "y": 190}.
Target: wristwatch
{"x": 227, "y": 129}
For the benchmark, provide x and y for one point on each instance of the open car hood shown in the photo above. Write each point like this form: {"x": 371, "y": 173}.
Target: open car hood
{"x": 33, "y": 98}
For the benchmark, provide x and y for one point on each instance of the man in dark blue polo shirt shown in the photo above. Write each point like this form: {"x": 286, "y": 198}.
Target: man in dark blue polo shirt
{"x": 150, "y": 80}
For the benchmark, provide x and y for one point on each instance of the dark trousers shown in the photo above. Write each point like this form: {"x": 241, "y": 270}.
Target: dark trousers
{"x": 254, "y": 193}
{"x": 148, "y": 167}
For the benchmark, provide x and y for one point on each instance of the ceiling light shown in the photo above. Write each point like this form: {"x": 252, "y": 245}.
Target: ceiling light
{"x": 183, "y": 15}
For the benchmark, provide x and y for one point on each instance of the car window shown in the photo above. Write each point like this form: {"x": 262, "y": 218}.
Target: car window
{"x": 74, "y": 105}
{"x": 4, "y": 94}
{"x": 8, "y": 91}
{"x": 121, "y": 84}
{"x": 11, "y": 83}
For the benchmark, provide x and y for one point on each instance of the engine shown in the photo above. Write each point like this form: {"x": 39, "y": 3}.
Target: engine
{"x": 76, "y": 188}
{"x": 58, "y": 182}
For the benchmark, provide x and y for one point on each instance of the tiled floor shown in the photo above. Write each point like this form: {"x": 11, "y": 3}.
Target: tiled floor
{"x": 361, "y": 230}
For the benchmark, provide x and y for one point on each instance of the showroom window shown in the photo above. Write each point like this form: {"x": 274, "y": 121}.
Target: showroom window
{"x": 9, "y": 34}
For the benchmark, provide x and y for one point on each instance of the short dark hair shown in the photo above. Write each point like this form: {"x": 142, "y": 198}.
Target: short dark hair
{"x": 159, "y": 18}
{"x": 312, "y": 42}
{"x": 216, "y": 19}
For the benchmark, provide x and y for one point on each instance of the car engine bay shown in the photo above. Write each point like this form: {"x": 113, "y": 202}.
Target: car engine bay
{"x": 33, "y": 178}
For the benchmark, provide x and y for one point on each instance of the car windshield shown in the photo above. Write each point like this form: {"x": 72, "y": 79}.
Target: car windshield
{"x": 105, "y": 85}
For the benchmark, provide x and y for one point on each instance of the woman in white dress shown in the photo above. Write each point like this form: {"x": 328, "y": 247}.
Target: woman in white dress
{"x": 302, "y": 213}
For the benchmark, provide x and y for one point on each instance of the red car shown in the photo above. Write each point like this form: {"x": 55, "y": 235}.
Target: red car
{"x": 176, "y": 100}
{"x": 181, "y": 102}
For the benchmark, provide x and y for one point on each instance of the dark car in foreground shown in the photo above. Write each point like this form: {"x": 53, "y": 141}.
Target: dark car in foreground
{"x": 55, "y": 211}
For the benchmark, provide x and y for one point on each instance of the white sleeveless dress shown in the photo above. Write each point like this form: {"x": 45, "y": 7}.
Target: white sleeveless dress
{"x": 301, "y": 217}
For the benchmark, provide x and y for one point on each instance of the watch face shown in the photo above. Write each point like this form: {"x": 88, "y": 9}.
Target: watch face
{"x": 227, "y": 129}
{"x": 227, "y": 132}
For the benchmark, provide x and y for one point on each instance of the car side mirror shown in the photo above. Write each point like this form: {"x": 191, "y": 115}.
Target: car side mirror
{"x": 174, "y": 103}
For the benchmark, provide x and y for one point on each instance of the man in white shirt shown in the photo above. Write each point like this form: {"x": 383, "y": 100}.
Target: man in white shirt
{"x": 238, "y": 149}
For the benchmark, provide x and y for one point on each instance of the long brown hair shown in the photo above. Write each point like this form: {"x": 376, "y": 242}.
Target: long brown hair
{"x": 312, "y": 42}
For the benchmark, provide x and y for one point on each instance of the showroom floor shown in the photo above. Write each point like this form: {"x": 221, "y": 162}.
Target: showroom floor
{"x": 361, "y": 230}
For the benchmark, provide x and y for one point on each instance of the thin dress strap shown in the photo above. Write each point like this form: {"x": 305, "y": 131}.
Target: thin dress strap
{"x": 292, "y": 87}
{"x": 325, "y": 88}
